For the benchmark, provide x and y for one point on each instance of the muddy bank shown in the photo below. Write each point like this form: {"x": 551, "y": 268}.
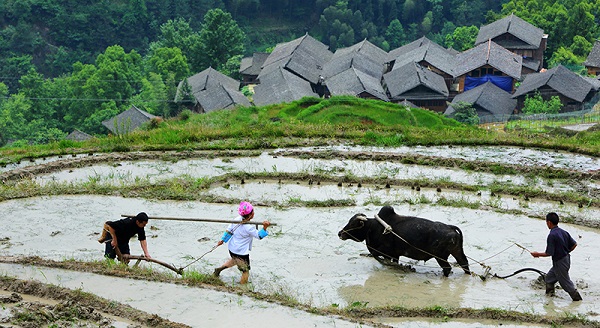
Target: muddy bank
{"x": 191, "y": 307}
{"x": 56, "y": 306}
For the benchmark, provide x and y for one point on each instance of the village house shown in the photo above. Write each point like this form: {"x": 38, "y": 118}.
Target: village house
{"x": 250, "y": 67}
{"x": 491, "y": 103}
{"x": 433, "y": 57}
{"x": 366, "y": 49}
{"x": 518, "y": 36}
{"x": 418, "y": 85}
{"x": 356, "y": 70}
{"x": 279, "y": 86}
{"x": 571, "y": 88}
{"x": 487, "y": 62}
{"x": 77, "y": 135}
{"x": 395, "y": 53}
{"x": 592, "y": 63}
{"x": 353, "y": 59}
{"x": 355, "y": 82}
{"x": 211, "y": 90}
{"x": 128, "y": 121}
{"x": 304, "y": 57}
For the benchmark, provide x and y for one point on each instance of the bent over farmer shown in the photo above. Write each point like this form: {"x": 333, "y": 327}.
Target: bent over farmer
{"x": 239, "y": 237}
{"x": 117, "y": 234}
{"x": 559, "y": 245}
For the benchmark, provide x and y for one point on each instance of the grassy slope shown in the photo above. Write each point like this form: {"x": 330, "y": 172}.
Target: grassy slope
{"x": 310, "y": 121}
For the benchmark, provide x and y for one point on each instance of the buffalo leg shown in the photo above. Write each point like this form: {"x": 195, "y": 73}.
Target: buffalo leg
{"x": 461, "y": 258}
{"x": 446, "y": 268}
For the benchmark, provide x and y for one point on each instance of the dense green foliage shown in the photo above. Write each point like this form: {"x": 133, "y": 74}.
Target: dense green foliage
{"x": 68, "y": 65}
{"x": 537, "y": 105}
{"x": 465, "y": 113}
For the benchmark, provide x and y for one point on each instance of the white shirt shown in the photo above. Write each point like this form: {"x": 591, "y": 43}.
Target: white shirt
{"x": 243, "y": 234}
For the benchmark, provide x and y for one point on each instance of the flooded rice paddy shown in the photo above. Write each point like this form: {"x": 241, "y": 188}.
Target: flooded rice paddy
{"x": 303, "y": 257}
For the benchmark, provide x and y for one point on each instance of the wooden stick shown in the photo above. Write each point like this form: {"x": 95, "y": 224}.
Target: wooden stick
{"x": 166, "y": 265}
{"x": 197, "y": 220}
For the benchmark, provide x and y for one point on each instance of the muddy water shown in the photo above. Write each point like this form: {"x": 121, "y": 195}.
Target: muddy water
{"x": 498, "y": 154}
{"x": 192, "y": 306}
{"x": 305, "y": 259}
{"x": 130, "y": 172}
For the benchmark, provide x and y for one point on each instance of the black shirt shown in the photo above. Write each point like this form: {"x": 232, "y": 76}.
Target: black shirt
{"x": 560, "y": 243}
{"x": 127, "y": 228}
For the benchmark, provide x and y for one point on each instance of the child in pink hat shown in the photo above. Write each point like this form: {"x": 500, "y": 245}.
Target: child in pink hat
{"x": 239, "y": 237}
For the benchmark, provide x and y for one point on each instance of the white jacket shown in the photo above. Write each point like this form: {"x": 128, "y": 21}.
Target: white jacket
{"x": 243, "y": 234}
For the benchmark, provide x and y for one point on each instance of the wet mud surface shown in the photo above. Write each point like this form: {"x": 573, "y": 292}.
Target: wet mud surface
{"x": 303, "y": 258}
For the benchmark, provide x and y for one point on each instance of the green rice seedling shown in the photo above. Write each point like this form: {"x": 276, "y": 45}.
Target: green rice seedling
{"x": 458, "y": 202}
{"x": 493, "y": 202}
{"x": 358, "y": 305}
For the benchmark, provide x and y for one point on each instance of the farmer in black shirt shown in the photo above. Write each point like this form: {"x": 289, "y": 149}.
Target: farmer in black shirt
{"x": 121, "y": 231}
{"x": 559, "y": 245}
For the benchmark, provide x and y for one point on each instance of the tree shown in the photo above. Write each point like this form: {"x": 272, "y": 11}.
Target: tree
{"x": 462, "y": 38}
{"x": 537, "y": 105}
{"x": 580, "y": 46}
{"x": 166, "y": 62}
{"x": 178, "y": 34}
{"x": 395, "y": 35}
{"x": 465, "y": 113}
{"x": 220, "y": 39}
{"x": 103, "y": 89}
{"x": 153, "y": 97}
{"x": 232, "y": 67}
{"x": 564, "y": 56}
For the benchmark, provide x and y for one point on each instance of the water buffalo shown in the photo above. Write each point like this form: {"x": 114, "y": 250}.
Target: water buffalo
{"x": 417, "y": 238}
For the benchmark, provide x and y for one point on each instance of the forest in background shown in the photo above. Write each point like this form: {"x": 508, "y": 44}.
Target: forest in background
{"x": 68, "y": 65}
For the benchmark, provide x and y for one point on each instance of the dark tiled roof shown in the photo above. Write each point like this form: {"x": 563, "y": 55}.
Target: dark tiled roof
{"x": 77, "y": 135}
{"x": 489, "y": 53}
{"x": 304, "y": 56}
{"x": 593, "y": 59}
{"x": 393, "y": 54}
{"x": 211, "y": 77}
{"x": 531, "y": 64}
{"x": 128, "y": 120}
{"x": 511, "y": 24}
{"x": 411, "y": 76}
{"x": 560, "y": 79}
{"x": 488, "y": 99}
{"x": 279, "y": 86}
{"x": 365, "y": 48}
{"x": 342, "y": 62}
{"x": 595, "y": 82}
{"x": 253, "y": 65}
{"x": 354, "y": 82}
{"x": 431, "y": 53}
{"x": 220, "y": 97}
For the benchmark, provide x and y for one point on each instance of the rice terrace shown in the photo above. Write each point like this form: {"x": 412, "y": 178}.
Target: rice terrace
{"x": 308, "y": 167}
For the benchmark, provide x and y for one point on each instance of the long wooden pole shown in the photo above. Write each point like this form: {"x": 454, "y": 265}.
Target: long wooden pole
{"x": 197, "y": 220}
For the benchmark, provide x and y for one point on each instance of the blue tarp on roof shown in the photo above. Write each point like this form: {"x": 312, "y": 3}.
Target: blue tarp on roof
{"x": 503, "y": 82}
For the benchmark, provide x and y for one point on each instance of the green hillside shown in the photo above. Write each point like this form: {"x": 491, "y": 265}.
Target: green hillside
{"x": 307, "y": 122}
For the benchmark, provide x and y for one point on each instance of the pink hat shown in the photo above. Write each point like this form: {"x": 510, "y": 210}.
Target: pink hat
{"x": 245, "y": 208}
